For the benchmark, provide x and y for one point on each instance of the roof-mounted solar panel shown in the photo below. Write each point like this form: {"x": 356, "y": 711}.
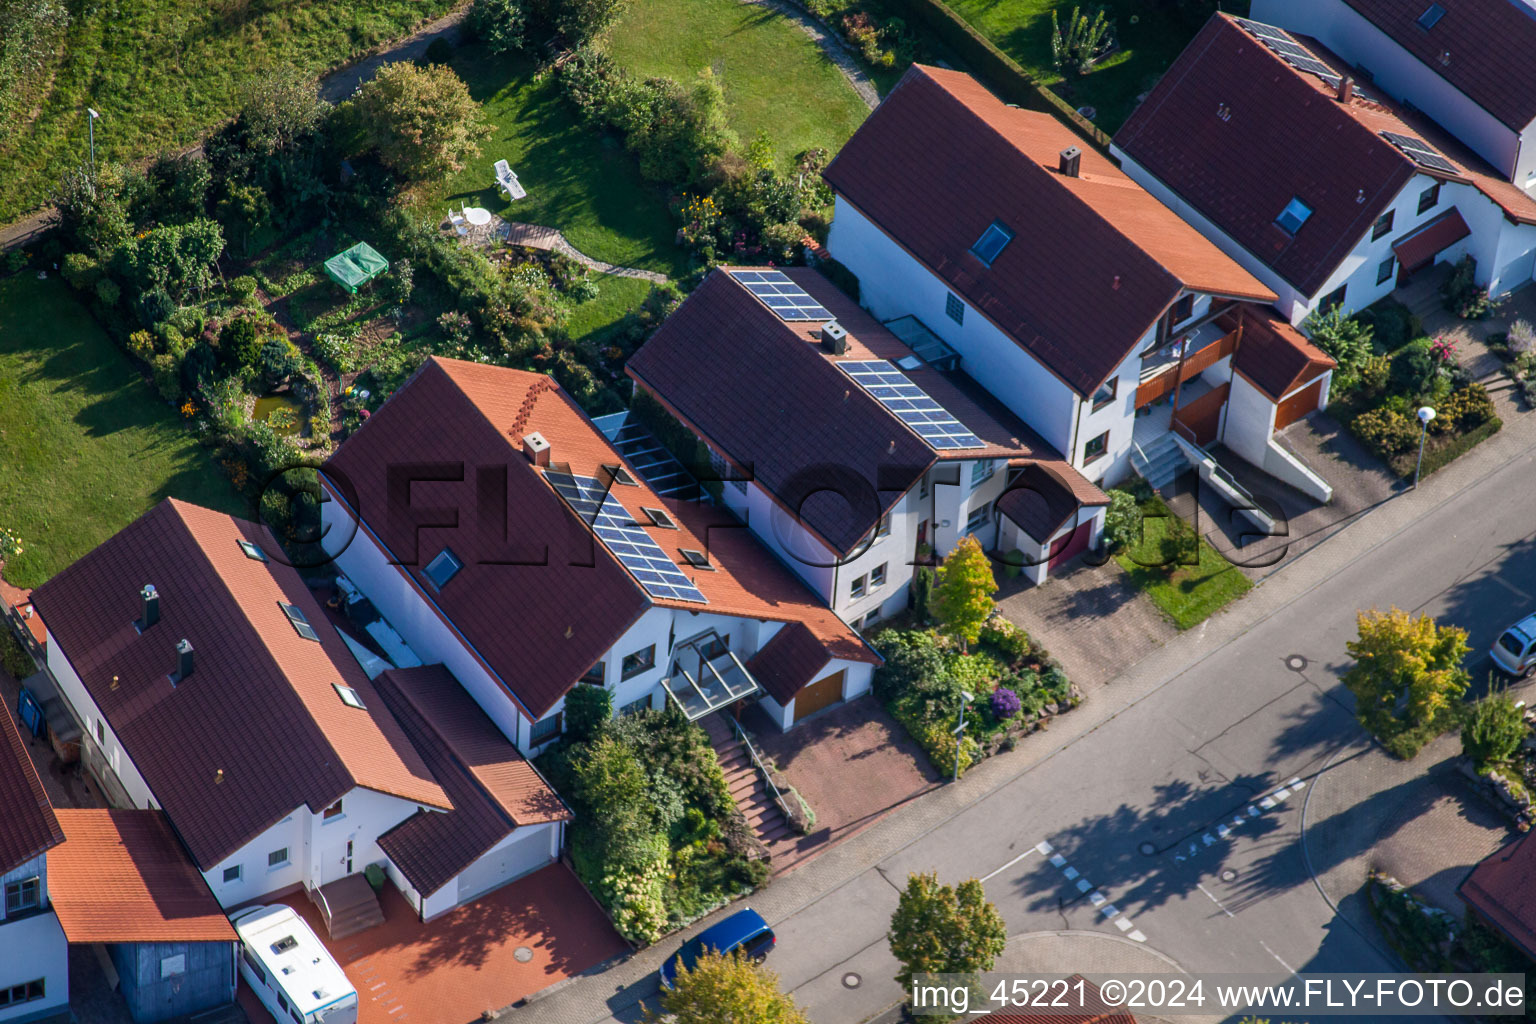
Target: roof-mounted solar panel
{"x": 1420, "y": 152}
{"x": 788, "y": 300}
{"x": 911, "y": 404}
{"x": 625, "y": 538}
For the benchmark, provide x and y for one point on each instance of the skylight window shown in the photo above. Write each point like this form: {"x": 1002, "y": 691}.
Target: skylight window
{"x": 622, "y": 476}
{"x": 1431, "y": 17}
{"x": 697, "y": 559}
{"x": 349, "y": 697}
{"x": 659, "y": 518}
{"x": 991, "y": 242}
{"x": 443, "y": 568}
{"x": 1293, "y": 216}
{"x": 252, "y": 550}
{"x": 301, "y": 624}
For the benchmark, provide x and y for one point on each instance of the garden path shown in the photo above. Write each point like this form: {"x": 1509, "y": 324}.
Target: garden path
{"x": 539, "y": 236}
{"x": 835, "y": 49}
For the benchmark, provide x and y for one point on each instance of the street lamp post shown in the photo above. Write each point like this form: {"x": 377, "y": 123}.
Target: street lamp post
{"x": 965, "y": 698}
{"x": 91, "y": 124}
{"x": 1425, "y": 415}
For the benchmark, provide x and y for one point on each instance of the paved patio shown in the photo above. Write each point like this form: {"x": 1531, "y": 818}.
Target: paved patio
{"x": 454, "y": 968}
{"x": 1422, "y": 296}
{"x": 1090, "y": 617}
{"x": 852, "y": 763}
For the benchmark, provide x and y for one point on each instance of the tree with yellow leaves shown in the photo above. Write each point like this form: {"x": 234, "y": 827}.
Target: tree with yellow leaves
{"x": 963, "y": 597}
{"x": 729, "y": 989}
{"x": 1407, "y": 678}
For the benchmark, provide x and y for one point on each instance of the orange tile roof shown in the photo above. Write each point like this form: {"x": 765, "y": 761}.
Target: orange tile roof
{"x": 271, "y": 732}
{"x": 121, "y": 876}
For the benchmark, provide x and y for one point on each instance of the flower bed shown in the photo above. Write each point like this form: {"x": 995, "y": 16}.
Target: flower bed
{"x": 1016, "y": 686}
{"x": 657, "y": 838}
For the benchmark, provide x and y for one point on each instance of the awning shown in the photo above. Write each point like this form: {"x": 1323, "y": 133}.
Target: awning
{"x": 1422, "y": 244}
{"x": 706, "y": 676}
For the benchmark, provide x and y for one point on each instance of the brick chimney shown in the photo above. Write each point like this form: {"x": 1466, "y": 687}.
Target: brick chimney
{"x": 1346, "y": 89}
{"x": 1071, "y": 161}
{"x": 536, "y": 449}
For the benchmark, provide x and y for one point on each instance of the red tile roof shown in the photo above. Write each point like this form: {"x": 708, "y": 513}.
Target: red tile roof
{"x": 1500, "y": 890}
{"x": 1489, "y": 49}
{"x": 788, "y": 663}
{"x": 121, "y": 876}
{"x": 1096, "y": 259}
{"x": 1237, "y": 133}
{"x": 1039, "y": 502}
{"x": 1274, "y": 356}
{"x": 258, "y": 728}
{"x": 815, "y": 416}
{"x": 28, "y": 826}
{"x": 586, "y": 599}
{"x": 494, "y": 789}
{"x": 1419, "y": 246}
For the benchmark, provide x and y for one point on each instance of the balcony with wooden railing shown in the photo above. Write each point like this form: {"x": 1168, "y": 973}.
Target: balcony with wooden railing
{"x": 1163, "y": 370}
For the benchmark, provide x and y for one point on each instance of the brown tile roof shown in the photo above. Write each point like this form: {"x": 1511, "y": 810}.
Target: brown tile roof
{"x": 1237, "y": 133}
{"x": 28, "y": 826}
{"x": 788, "y": 663}
{"x": 816, "y": 415}
{"x": 1419, "y": 246}
{"x": 1489, "y": 46}
{"x": 121, "y": 876}
{"x": 586, "y": 599}
{"x": 494, "y": 789}
{"x": 258, "y": 729}
{"x": 1500, "y": 890}
{"x": 1274, "y": 356}
{"x": 1095, "y": 261}
{"x": 1040, "y": 502}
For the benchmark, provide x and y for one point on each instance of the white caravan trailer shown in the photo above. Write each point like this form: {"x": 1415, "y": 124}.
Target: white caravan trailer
{"x": 290, "y": 971}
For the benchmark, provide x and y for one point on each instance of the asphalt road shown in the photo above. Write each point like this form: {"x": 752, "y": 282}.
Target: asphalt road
{"x": 1166, "y": 805}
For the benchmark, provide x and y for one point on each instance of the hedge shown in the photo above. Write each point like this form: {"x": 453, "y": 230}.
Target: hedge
{"x": 1438, "y": 457}
{"x": 1001, "y": 72}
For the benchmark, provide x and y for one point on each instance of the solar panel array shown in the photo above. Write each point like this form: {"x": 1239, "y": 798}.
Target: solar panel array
{"x": 1290, "y": 51}
{"x": 627, "y": 539}
{"x": 1420, "y": 152}
{"x": 776, "y": 291}
{"x": 911, "y": 404}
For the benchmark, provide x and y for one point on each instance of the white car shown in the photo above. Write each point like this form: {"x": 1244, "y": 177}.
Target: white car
{"x": 1515, "y": 649}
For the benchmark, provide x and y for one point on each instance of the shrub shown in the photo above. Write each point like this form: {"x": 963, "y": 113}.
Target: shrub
{"x": 197, "y": 367}
{"x": 1386, "y": 431}
{"x": 1004, "y": 703}
{"x": 82, "y": 272}
{"x": 422, "y": 121}
{"x": 1393, "y": 324}
{"x": 1084, "y": 40}
{"x": 155, "y": 305}
{"x": 14, "y": 658}
{"x": 277, "y": 361}
{"x": 579, "y": 21}
{"x": 1122, "y": 520}
{"x": 1462, "y": 410}
{"x": 243, "y": 289}
{"x": 1520, "y": 340}
{"x": 141, "y": 345}
{"x": 167, "y": 372}
{"x": 499, "y": 24}
{"x": 1346, "y": 339}
{"x": 108, "y": 292}
{"x": 1493, "y": 731}
{"x": 239, "y": 343}
{"x": 1413, "y": 368}
{"x": 439, "y": 51}
{"x": 401, "y": 281}
{"x": 1011, "y": 641}
{"x": 587, "y": 710}
{"x": 911, "y": 658}
{"x": 1373, "y": 375}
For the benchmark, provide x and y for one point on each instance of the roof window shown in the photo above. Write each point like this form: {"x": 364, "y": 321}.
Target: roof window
{"x": 992, "y": 242}
{"x": 1293, "y": 216}
{"x": 349, "y": 697}
{"x": 443, "y": 568}
{"x": 251, "y": 550}
{"x": 697, "y": 559}
{"x": 622, "y": 476}
{"x": 659, "y": 518}
{"x": 1431, "y": 17}
{"x": 300, "y": 624}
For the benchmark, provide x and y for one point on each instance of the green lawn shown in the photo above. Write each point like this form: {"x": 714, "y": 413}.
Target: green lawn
{"x": 163, "y": 72}
{"x": 1187, "y": 594}
{"x": 775, "y": 77}
{"x": 616, "y": 296}
{"x": 1022, "y": 29}
{"x": 85, "y": 445}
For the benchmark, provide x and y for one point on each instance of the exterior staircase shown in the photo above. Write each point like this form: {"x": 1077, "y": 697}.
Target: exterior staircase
{"x": 1159, "y": 461}
{"x": 348, "y": 906}
{"x": 746, "y": 783}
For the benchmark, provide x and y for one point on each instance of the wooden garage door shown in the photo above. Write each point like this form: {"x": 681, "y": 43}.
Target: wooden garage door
{"x": 1299, "y": 404}
{"x": 822, "y": 693}
{"x": 1067, "y": 545}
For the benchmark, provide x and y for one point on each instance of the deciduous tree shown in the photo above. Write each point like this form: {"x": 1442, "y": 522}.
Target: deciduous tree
{"x": 1407, "y": 676}
{"x": 728, "y": 989}
{"x": 422, "y": 121}
{"x": 963, "y": 597}
{"x": 1493, "y": 730}
{"x": 941, "y": 929}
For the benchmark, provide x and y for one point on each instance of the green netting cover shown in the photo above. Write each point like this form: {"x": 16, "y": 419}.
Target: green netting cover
{"x": 356, "y": 267}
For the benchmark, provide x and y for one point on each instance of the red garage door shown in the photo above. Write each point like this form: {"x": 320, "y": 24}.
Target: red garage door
{"x": 1299, "y": 404}
{"x": 1067, "y": 545}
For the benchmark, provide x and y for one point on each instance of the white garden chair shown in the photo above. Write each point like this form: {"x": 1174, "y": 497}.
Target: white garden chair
{"x": 460, "y": 225}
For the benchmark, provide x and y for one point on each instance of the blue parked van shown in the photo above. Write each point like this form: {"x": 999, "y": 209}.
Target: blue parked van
{"x": 744, "y": 930}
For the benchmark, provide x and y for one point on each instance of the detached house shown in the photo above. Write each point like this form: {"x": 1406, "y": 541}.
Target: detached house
{"x": 852, "y": 451}
{"x": 210, "y": 684}
{"x": 1319, "y": 185}
{"x": 1085, "y": 305}
{"x": 503, "y": 535}
{"x": 34, "y": 954}
{"x": 1468, "y": 64}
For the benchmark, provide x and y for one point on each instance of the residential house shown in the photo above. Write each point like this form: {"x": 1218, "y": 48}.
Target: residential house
{"x": 1325, "y": 189}
{"x": 503, "y": 535}
{"x": 847, "y": 452}
{"x": 1468, "y": 64}
{"x": 34, "y": 954}
{"x": 1086, "y": 306}
{"x": 210, "y": 684}
{"x": 1498, "y": 891}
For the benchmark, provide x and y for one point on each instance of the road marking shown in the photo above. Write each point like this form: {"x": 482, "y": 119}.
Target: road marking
{"x": 1272, "y": 953}
{"x": 1123, "y": 924}
{"x": 1057, "y": 860}
{"x": 1005, "y": 867}
{"x": 1136, "y": 936}
{"x": 1043, "y": 847}
{"x": 1213, "y": 899}
{"x": 1110, "y": 911}
{"x": 1083, "y": 885}
{"x": 1268, "y": 802}
{"x": 1501, "y": 581}
{"x": 1070, "y": 872}
{"x": 1095, "y": 897}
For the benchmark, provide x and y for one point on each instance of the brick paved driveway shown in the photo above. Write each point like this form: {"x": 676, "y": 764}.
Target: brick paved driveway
{"x": 455, "y": 967}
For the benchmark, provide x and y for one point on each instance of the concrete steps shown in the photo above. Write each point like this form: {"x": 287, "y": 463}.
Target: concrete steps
{"x": 1160, "y": 462}
{"x": 745, "y": 782}
{"x": 347, "y": 906}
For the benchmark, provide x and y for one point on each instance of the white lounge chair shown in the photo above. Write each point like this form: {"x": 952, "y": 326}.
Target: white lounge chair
{"x": 508, "y": 182}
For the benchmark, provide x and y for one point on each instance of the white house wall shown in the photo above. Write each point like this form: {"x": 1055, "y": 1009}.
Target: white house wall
{"x": 256, "y": 879}
{"x": 1400, "y": 74}
{"x": 95, "y": 725}
{"x": 33, "y": 948}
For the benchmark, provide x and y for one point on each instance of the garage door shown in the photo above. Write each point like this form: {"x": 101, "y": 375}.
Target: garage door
{"x": 1518, "y": 271}
{"x": 525, "y": 853}
{"x": 1068, "y": 545}
{"x": 1299, "y": 404}
{"x": 823, "y": 693}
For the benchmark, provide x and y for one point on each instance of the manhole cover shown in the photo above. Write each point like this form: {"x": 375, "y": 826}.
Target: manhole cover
{"x": 852, "y": 980}
{"x": 522, "y": 954}
{"x": 1147, "y": 849}
{"x": 1295, "y": 662}
{"x": 1228, "y": 875}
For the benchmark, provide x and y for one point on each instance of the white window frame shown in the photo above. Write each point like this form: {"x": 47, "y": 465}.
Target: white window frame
{"x": 858, "y": 588}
